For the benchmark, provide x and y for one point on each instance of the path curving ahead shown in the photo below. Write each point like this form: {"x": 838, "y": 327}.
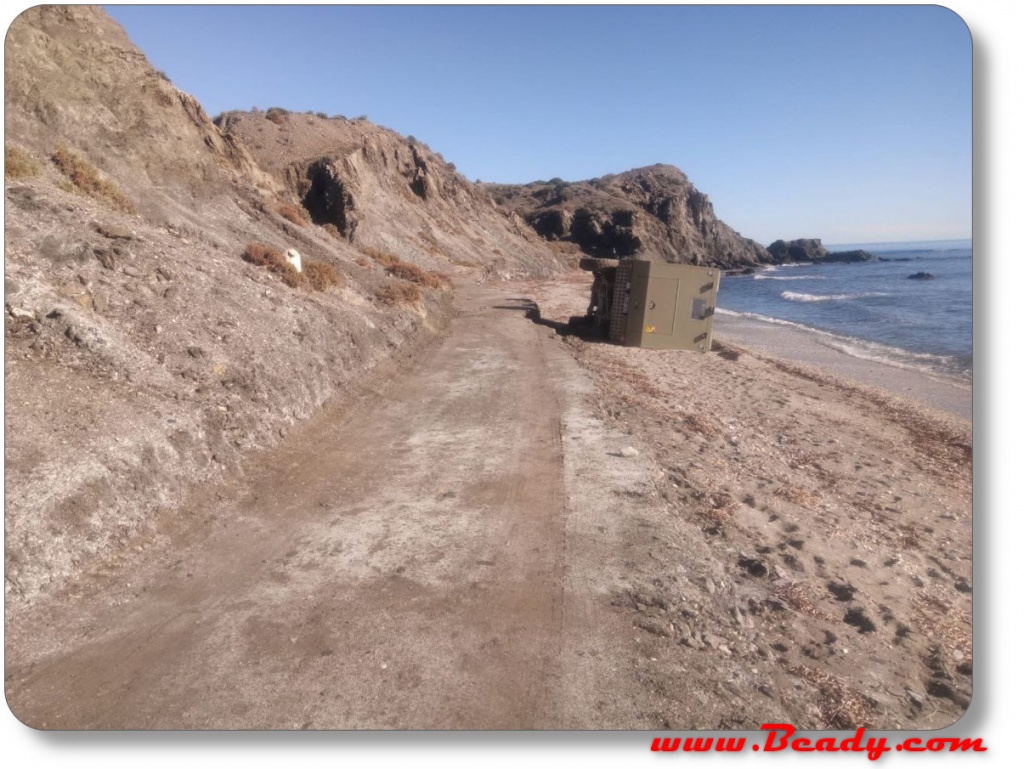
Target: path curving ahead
{"x": 399, "y": 562}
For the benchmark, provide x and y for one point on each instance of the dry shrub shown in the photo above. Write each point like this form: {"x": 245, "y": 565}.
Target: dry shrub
{"x": 801, "y": 597}
{"x": 263, "y": 255}
{"x": 380, "y": 257}
{"x": 293, "y": 278}
{"x": 907, "y": 536}
{"x": 406, "y": 271}
{"x": 718, "y": 511}
{"x": 276, "y": 115}
{"x": 840, "y": 707}
{"x": 718, "y": 517}
{"x": 321, "y": 275}
{"x": 394, "y": 294}
{"x": 798, "y": 495}
{"x": 333, "y": 231}
{"x": 294, "y": 214}
{"x": 273, "y": 259}
{"x": 940, "y": 621}
{"x": 414, "y": 274}
{"x": 87, "y": 180}
{"x": 362, "y": 261}
{"x": 701, "y": 424}
{"x": 18, "y": 164}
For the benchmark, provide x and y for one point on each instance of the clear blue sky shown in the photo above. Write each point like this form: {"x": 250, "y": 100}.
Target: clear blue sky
{"x": 852, "y": 124}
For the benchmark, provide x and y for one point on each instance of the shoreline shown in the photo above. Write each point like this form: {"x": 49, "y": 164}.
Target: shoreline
{"x": 797, "y": 345}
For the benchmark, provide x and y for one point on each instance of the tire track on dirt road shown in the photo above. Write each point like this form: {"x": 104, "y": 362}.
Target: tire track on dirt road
{"x": 401, "y": 568}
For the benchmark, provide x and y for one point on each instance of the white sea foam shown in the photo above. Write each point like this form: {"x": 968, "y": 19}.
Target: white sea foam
{"x": 794, "y": 296}
{"x": 865, "y": 350}
{"x": 789, "y": 277}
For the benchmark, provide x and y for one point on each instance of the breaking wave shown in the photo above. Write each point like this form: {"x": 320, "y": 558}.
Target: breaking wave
{"x": 794, "y": 296}
{"x": 789, "y": 277}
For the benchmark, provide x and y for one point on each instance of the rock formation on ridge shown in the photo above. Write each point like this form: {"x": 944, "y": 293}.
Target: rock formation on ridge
{"x": 652, "y": 213}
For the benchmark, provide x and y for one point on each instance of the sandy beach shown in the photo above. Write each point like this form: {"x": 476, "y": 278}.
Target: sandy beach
{"x": 817, "y": 525}
{"x": 798, "y": 345}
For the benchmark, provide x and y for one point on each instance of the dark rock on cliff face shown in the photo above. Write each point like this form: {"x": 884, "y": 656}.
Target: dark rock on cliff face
{"x": 653, "y": 212}
{"x": 802, "y": 250}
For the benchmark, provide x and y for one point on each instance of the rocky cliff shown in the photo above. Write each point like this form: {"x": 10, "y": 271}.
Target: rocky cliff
{"x": 652, "y": 213}
{"x": 379, "y": 189}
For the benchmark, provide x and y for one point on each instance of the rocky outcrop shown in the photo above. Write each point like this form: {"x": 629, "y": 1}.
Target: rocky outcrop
{"x": 385, "y": 191}
{"x": 653, "y": 212}
{"x": 812, "y": 250}
{"x": 802, "y": 250}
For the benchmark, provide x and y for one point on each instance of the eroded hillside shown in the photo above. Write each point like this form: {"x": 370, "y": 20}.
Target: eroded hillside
{"x": 378, "y": 189}
{"x": 149, "y": 347}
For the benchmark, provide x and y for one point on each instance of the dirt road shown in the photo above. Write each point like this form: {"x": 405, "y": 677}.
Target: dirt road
{"x": 399, "y": 562}
{"x": 462, "y": 544}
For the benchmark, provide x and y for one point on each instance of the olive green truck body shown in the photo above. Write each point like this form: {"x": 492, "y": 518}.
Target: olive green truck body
{"x": 663, "y": 306}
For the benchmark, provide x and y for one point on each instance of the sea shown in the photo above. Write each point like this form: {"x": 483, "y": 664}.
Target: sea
{"x": 872, "y": 310}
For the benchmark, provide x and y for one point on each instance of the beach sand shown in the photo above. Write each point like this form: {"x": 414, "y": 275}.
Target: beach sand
{"x": 803, "y": 346}
{"x": 812, "y": 558}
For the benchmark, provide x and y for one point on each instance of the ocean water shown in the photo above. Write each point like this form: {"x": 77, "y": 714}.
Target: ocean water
{"x": 871, "y": 309}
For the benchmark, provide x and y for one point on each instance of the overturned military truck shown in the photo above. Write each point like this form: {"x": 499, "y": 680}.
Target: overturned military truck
{"x": 656, "y": 305}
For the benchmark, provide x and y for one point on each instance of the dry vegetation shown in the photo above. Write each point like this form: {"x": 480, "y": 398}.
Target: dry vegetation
{"x": 18, "y": 164}
{"x": 395, "y": 294}
{"x": 319, "y": 276}
{"x": 841, "y": 708}
{"x": 702, "y": 424}
{"x": 414, "y": 274}
{"x": 798, "y": 495}
{"x": 84, "y": 178}
{"x": 406, "y": 271}
{"x": 277, "y": 115}
{"x": 263, "y": 255}
{"x": 294, "y": 214}
{"x": 382, "y": 258}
